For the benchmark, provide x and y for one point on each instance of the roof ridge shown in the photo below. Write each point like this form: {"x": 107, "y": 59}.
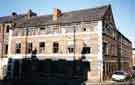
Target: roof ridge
{"x": 97, "y": 7}
{"x": 93, "y": 8}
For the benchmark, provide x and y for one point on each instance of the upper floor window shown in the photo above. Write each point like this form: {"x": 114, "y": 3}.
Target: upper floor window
{"x": 6, "y": 49}
{"x": 84, "y": 29}
{"x": 41, "y": 47}
{"x": 0, "y": 29}
{"x": 18, "y": 48}
{"x": 7, "y": 28}
{"x": 29, "y": 45}
{"x": 105, "y": 48}
{"x": 86, "y": 50}
{"x": 55, "y": 47}
{"x": 71, "y": 48}
{"x": 42, "y": 28}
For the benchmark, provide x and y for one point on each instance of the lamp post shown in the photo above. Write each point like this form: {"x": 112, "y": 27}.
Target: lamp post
{"x": 74, "y": 30}
{"x": 26, "y": 39}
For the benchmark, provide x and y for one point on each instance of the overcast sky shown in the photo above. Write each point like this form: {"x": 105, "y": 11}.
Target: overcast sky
{"x": 123, "y": 10}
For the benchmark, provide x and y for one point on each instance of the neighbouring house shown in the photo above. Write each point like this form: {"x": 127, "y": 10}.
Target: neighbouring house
{"x": 133, "y": 57}
{"x": 6, "y": 23}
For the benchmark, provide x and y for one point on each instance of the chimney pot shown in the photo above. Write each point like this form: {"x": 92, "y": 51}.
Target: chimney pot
{"x": 56, "y": 13}
{"x": 14, "y": 14}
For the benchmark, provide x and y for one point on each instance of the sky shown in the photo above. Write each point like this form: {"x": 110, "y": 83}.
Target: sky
{"x": 123, "y": 10}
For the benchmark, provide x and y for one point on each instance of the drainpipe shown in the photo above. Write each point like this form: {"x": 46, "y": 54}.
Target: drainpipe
{"x": 74, "y": 43}
{"x": 2, "y": 47}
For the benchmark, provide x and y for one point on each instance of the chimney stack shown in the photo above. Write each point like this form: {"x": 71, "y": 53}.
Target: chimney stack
{"x": 56, "y": 13}
{"x": 30, "y": 14}
{"x": 14, "y": 14}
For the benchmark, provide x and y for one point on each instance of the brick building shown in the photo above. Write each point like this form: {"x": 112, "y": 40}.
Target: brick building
{"x": 66, "y": 35}
{"x": 6, "y": 23}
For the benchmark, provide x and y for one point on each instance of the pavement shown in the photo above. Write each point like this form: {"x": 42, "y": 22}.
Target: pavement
{"x": 110, "y": 82}
{"x": 67, "y": 82}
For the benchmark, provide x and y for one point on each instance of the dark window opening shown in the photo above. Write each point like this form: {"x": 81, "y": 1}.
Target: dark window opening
{"x": 104, "y": 48}
{"x": 29, "y": 50}
{"x": 55, "y": 47}
{"x": 18, "y": 48}
{"x": 84, "y": 29}
{"x": 0, "y": 29}
{"x": 70, "y": 49}
{"x": 42, "y": 44}
{"x": 6, "y": 49}
{"x": 41, "y": 47}
{"x": 42, "y": 28}
{"x": 7, "y": 28}
{"x": 86, "y": 50}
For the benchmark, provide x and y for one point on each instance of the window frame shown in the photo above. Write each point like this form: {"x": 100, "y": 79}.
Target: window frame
{"x": 18, "y": 48}
{"x": 55, "y": 47}
{"x": 7, "y": 28}
{"x": 41, "y": 48}
{"x": 30, "y": 47}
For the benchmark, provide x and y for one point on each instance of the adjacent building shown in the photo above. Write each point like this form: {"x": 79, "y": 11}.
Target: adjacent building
{"x": 88, "y": 34}
{"x": 6, "y": 23}
{"x": 133, "y": 55}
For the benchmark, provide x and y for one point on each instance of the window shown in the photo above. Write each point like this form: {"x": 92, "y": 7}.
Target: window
{"x": 0, "y": 29}
{"x": 29, "y": 50}
{"x": 84, "y": 29}
{"x": 105, "y": 48}
{"x": 71, "y": 49}
{"x": 86, "y": 50}
{"x": 41, "y": 47}
{"x": 7, "y": 28}
{"x": 55, "y": 47}
{"x": 6, "y": 49}
{"x": 18, "y": 48}
{"x": 42, "y": 28}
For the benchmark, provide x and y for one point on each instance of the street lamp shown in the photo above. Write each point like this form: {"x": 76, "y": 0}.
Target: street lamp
{"x": 74, "y": 30}
{"x": 26, "y": 39}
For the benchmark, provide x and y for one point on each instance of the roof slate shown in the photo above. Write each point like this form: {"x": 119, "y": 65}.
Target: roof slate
{"x": 7, "y": 19}
{"x": 91, "y": 14}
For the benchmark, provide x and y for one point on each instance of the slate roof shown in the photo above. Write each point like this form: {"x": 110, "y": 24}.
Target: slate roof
{"x": 6, "y": 19}
{"x": 91, "y": 14}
